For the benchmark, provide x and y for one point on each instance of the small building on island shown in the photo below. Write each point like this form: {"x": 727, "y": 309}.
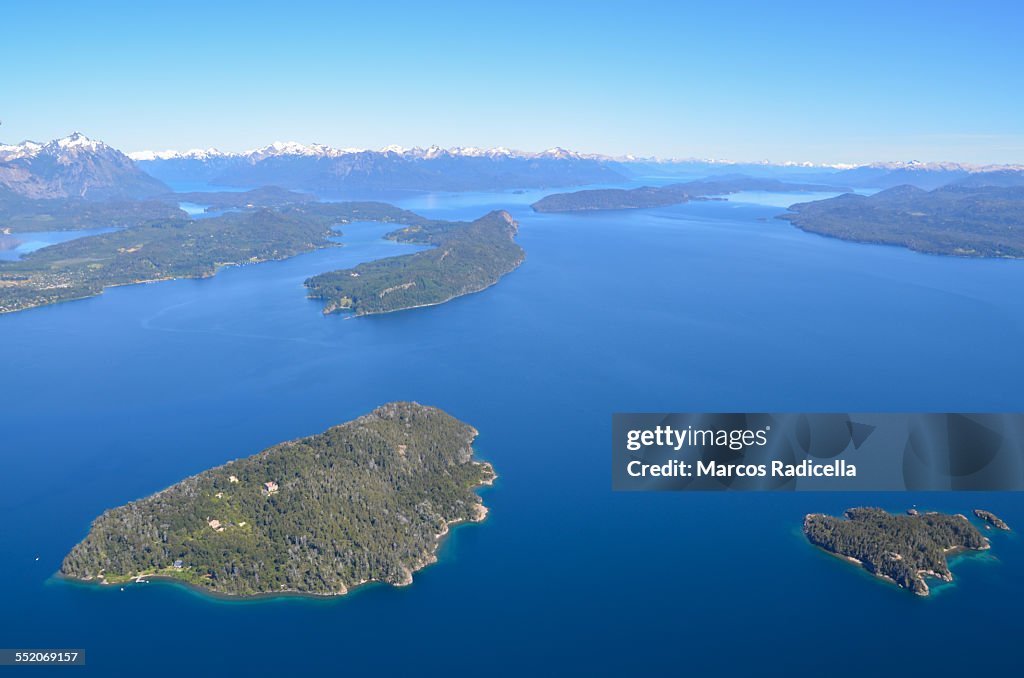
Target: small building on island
{"x": 215, "y": 524}
{"x": 178, "y": 564}
{"x": 233, "y": 479}
{"x": 270, "y": 487}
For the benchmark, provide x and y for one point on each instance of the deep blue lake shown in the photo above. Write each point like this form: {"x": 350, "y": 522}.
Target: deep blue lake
{"x": 712, "y": 306}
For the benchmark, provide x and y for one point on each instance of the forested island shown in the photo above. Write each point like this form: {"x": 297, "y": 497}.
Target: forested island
{"x": 902, "y": 549}
{"x": 992, "y": 519}
{"x": 967, "y": 221}
{"x": 465, "y": 258}
{"x": 662, "y": 196}
{"x": 366, "y": 501}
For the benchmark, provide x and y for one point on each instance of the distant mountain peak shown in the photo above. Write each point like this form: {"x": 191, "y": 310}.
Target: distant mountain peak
{"x": 25, "y": 149}
{"x": 73, "y": 166}
{"x": 78, "y": 140}
{"x": 74, "y": 144}
{"x": 561, "y": 154}
{"x": 928, "y": 166}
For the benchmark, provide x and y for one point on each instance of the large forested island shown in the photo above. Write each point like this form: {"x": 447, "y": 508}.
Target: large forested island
{"x": 465, "y": 258}
{"x": 362, "y": 502}
{"x": 662, "y": 196}
{"x": 902, "y": 549}
{"x": 961, "y": 220}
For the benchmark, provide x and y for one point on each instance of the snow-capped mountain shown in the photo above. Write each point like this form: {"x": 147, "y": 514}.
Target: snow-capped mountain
{"x": 26, "y": 149}
{"x": 74, "y": 166}
{"x": 194, "y": 154}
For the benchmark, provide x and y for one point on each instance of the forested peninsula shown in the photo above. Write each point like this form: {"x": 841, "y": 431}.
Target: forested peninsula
{"x": 366, "y": 501}
{"x": 265, "y": 227}
{"x": 902, "y": 549}
{"x": 464, "y": 258}
{"x": 959, "y": 220}
{"x": 672, "y": 194}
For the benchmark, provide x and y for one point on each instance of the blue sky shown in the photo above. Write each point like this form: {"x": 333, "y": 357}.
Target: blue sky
{"x": 818, "y": 81}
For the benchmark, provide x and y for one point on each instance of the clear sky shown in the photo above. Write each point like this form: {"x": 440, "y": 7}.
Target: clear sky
{"x": 819, "y": 81}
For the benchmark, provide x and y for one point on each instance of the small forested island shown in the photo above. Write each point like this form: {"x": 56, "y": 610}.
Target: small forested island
{"x": 902, "y": 549}
{"x": 366, "y": 501}
{"x": 992, "y": 519}
{"x": 662, "y": 196}
{"x": 960, "y": 220}
{"x": 465, "y": 258}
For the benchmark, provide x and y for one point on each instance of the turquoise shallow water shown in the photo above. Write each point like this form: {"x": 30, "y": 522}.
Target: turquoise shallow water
{"x": 709, "y": 306}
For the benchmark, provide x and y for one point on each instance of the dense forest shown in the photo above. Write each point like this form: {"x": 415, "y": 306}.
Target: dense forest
{"x": 465, "y": 258}
{"x": 266, "y": 196}
{"x": 21, "y": 214}
{"x": 969, "y": 221}
{"x": 672, "y": 194}
{"x": 903, "y": 548}
{"x": 363, "y": 501}
{"x": 179, "y": 248}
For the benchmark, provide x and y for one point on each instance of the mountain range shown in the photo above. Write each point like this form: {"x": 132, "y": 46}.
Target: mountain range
{"x": 78, "y": 167}
{"x": 328, "y": 170}
{"x": 333, "y": 171}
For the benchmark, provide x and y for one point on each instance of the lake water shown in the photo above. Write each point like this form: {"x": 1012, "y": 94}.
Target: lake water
{"x": 36, "y": 240}
{"x": 710, "y": 306}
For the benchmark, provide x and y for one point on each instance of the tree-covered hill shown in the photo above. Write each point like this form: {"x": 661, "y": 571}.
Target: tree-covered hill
{"x": 465, "y": 258}
{"x": 901, "y": 548}
{"x": 363, "y": 501}
{"x": 969, "y": 221}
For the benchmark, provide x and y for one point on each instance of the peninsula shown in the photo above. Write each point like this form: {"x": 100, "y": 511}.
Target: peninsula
{"x": 468, "y": 257}
{"x": 959, "y": 220}
{"x": 902, "y": 549}
{"x": 366, "y": 501}
{"x": 464, "y": 258}
{"x": 672, "y": 194}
